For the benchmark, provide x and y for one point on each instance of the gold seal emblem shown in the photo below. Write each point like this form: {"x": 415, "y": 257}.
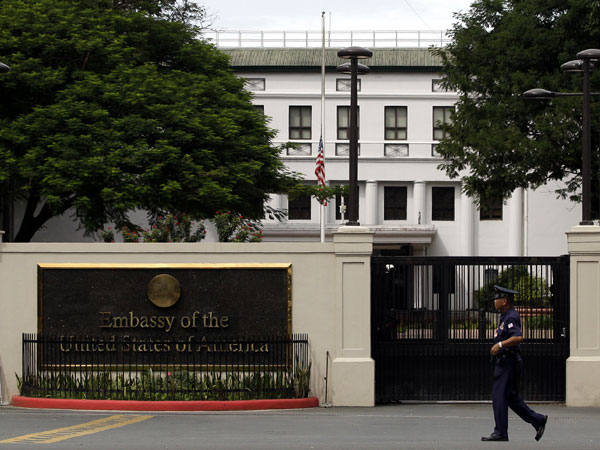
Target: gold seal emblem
{"x": 164, "y": 290}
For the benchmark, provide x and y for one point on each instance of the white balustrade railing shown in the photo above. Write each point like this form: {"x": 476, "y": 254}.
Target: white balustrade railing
{"x": 335, "y": 39}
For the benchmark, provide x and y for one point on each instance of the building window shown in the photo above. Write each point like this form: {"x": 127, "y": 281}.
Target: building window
{"x": 299, "y": 208}
{"x": 299, "y": 149}
{"x": 490, "y": 210}
{"x": 434, "y": 151}
{"x": 442, "y": 203}
{"x": 395, "y": 150}
{"x": 260, "y": 108}
{"x": 394, "y": 203}
{"x": 441, "y": 116}
{"x": 344, "y": 84}
{"x": 300, "y": 122}
{"x": 343, "y": 122}
{"x": 255, "y": 84}
{"x": 344, "y": 149}
{"x": 436, "y": 86}
{"x": 395, "y": 122}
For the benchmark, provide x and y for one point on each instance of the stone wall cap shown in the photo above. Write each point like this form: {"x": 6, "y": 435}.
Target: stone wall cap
{"x": 354, "y": 229}
{"x": 584, "y": 229}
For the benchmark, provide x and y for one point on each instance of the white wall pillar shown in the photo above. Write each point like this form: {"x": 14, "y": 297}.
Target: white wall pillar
{"x": 278, "y": 201}
{"x": 515, "y": 230}
{"x": 583, "y": 364}
{"x": 467, "y": 228}
{"x": 372, "y": 202}
{"x": 353, "y": 370}
{"x": 420, "y": 214}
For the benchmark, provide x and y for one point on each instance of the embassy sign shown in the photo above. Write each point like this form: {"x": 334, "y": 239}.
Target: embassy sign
{"x": 173, "y": 309}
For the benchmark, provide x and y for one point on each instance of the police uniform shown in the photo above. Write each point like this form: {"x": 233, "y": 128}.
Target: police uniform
{"x": 507, "y": 371}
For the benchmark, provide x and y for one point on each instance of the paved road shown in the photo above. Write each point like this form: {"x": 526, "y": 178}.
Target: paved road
{"x": 404, "y": 426}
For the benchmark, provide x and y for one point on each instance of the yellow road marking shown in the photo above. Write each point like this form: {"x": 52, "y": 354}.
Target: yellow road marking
{"x": 61, "y": 434}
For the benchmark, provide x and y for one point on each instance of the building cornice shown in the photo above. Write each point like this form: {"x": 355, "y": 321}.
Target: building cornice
{"x": 400, "y": 234}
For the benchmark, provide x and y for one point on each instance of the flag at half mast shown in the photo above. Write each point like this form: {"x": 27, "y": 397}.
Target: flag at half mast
{"x": 320, "y": 170}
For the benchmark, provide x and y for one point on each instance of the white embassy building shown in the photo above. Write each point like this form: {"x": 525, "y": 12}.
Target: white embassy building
{"x": 412, "y": 207}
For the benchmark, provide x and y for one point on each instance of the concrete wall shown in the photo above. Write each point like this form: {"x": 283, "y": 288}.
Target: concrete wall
{"x": 583, "y": 365}
{"x": 330, "y": 298}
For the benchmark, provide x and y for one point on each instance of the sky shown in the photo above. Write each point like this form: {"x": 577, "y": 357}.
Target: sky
{"x": 340, "y": 14}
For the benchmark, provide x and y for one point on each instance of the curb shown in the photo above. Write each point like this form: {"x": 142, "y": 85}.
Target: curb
{"x": 175, "y": 405}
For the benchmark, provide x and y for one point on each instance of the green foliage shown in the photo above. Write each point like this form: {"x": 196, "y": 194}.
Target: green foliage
{"x": 321, "y": 193}
{"x": 179, "y": 384}
{"x": 533, "y": 291}
{"x": 163, "y": 228}
{"x": 470, "y": 325}
{"x": 541, "y": 322}
{"x": 111, "y": 107}
{"x": 233, "y": 227}
{"x": 174, "y": 228}
{"x": 301, "y": 377}
{"x": 464, "y": 325}
{"x": 499, "y": 141}
{"x": 19, "y": 382}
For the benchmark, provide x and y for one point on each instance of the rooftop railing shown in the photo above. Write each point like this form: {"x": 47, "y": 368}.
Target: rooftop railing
{"x": 334, "y": 39}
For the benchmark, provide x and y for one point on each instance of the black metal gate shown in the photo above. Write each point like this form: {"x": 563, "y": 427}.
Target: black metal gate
{"x": 432, "y": 325}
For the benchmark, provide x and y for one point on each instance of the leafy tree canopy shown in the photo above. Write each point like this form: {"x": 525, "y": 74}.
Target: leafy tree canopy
{"x": 499, "y": 141}
{"x": 116, "y": 105}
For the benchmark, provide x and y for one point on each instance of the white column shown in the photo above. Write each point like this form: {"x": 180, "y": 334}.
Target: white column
{"x": 467, "y": 225}
{"x": 420, "y": 215}
{"x": 353, "y": 370}
{"x": 277, "y": 201}
{"x": 583, "y": 364}
{"x": 515, "y": 230}
{"x": 371, "y": 202}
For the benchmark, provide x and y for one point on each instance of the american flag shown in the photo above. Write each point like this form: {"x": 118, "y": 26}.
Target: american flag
{"x": 320, "y": 169}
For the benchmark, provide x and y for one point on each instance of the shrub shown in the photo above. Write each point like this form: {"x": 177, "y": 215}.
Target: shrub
{"x": 541, "y": 322}
{"x": 532, "y": 291}
{"x": 163, "y": 228}
{"x": 232, "y": 227}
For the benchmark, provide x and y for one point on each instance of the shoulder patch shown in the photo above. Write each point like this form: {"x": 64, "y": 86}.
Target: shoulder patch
{"x": 510, "y": 325}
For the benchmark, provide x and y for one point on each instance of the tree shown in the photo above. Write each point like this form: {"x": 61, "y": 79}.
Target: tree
{"x": 498, "y": 141}
{"x": 116, "y": 105}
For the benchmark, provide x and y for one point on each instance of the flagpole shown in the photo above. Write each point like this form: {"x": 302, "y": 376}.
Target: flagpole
{"x": 322, "y": 205}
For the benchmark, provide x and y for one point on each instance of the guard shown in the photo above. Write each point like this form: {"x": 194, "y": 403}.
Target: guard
{"x": 507, "y": 370}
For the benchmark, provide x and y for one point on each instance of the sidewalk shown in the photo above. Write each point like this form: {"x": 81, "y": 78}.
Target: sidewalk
{"x": 400, "y": 426}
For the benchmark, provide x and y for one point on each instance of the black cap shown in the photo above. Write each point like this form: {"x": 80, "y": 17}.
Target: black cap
{"x": 502, "y": 292}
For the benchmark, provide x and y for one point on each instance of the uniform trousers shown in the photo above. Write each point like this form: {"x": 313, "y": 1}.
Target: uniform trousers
{"x": 505, "y": 394}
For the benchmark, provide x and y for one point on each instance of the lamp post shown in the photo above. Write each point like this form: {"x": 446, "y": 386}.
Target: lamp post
{"x": 353, "y": 68}
{"x": 582, "y": 64}
{"x": 6, "y": 209}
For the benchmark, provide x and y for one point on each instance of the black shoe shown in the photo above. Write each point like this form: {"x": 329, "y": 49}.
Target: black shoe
{"x": 540, "y": 430}
{"x": 496, "y": 437}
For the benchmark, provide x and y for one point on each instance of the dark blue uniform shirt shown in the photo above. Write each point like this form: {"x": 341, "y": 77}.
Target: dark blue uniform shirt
{"x": 508, "y": 326}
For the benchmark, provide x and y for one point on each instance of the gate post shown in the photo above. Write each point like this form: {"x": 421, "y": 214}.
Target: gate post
{"x": 353, "y": 369}
{"x": 583, "y": 364}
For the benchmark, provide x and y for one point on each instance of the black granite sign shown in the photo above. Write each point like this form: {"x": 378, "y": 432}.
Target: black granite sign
{"x": 195, "y": 303}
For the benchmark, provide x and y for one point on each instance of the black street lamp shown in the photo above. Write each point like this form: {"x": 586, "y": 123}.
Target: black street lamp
{"x": 543, "y": 94}
{"x": 6, "y": 211}
{"x": 353, "y": 68}
{"x": 584, "y": 64}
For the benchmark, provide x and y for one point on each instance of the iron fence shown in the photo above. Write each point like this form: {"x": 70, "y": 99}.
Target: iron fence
{"x": 204, "y": 368}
